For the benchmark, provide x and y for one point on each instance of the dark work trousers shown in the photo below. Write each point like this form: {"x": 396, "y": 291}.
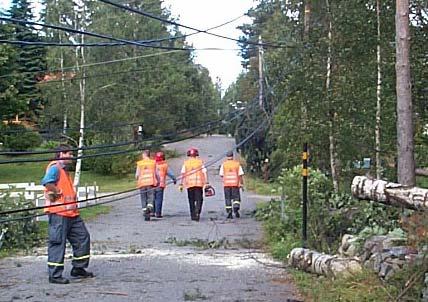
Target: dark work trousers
{"x": 195, "y": 202}
{"x": 232, "y": 196}
{"x": 147, "y": 195}
{"x": 60, "y": 230}
{"x": 159, "y": 200}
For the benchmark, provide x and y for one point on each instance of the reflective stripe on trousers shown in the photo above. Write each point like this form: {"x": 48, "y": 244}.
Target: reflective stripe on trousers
{"x": 60, "y": 230}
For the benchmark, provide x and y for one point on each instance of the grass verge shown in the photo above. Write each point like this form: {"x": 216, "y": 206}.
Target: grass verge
{"x": 255, "y": 184}
{"x": 33, "y": 172}
{"x": 364, "y": 286}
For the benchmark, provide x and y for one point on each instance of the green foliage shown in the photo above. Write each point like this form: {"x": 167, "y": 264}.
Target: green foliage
{"x": 23, "y": 141}
{"x": 49, "y": 145}
{"x": 23, "y": 234}
{"x": 28, "y": 58}
{"x": 164, "y": 91}
{"x": 116, "y": 165}
{"x": 330, "y": 215}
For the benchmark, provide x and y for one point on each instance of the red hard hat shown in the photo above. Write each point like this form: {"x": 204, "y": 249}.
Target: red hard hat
{"x": 159, "y": 156}
{"x": 192, "y": 152}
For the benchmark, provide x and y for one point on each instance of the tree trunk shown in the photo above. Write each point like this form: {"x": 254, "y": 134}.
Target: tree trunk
{"x": 389, "y": 193}
{"x": 64, "y": 93}
{"x": 332, "y": 140}
{"x": 322, "y": 264}
{"x": 378, "y": 97}
{"x": 306, "y": 30}
{"x": 307, "y": 20}
{"x": 405, "y": 140}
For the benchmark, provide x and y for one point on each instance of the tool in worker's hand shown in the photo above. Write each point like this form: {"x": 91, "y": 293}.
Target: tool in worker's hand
{"x": 209, "y": 190}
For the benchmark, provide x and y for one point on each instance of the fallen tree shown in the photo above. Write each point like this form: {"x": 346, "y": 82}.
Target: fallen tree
{"x": 322, "y": 264}
{"x": 421, "y": 171}
{"x": 390, "y": 193}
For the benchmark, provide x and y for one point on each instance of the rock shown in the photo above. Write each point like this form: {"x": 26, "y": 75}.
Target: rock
{"x": 391, "y": 241}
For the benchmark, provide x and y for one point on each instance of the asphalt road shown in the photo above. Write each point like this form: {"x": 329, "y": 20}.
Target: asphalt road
{"x": 168, "y": 259}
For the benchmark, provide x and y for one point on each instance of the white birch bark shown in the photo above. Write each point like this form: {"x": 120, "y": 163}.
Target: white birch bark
{"x": 390, "y": 193}
{"x": 322, "y": 264}
{"x": 80, "y": 51}
{"x": 332, "y": 142}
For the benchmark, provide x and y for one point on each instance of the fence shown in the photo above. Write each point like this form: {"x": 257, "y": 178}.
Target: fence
{"x": 35, "y": 193}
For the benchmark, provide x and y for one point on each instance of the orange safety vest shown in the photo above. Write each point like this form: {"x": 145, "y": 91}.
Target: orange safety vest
{"x": 163, "y": 169}
{"x": 147, "y": 175}
{"x": 193, "y": 176}
{"x": 67, "y": 201}
{"x": 231, "y": 173}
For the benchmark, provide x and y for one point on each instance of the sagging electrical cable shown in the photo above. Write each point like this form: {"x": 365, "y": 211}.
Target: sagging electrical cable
{"x": 87, "y": 33}
{"x": 114, "y": 194}
{"x": 116, "y": 152}
{"x": 209, "y": 163}
{"x": 106, "y": 44}
{"x": 119, "y": 60}
{"x": 41, "y": 43}
{"x": 151, "y": 16}
{"x": 92, "y": 64}
{"x": 102, "y": 146}
{"x": 90, "y": 128}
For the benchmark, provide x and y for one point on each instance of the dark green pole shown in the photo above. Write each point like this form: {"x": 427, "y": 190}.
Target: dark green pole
{"x": 305, "y": 194}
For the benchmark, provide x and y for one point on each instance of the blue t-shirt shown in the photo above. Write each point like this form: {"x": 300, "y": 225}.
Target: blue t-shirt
{"x": 51, "y": 176}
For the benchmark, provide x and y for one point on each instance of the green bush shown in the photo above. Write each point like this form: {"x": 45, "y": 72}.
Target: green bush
{"x": 118, "y": 165}
{"x": 123, "y": 165}
{"x": 20, "y": 234}
{"x": 330, "y": 215}
{"x": 21, "y": 141}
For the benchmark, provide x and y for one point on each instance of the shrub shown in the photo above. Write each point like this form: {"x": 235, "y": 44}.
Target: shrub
{"x": 330, "y": 215}
{"x": 21, "y": 234}
{"x": 118, "y": 165}
{"x": 21, "y": 141}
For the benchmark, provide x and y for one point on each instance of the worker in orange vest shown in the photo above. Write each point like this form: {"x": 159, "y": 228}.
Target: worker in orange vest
{"x": 147, "y": 181}
{"x": 194, "y": 177}
{"x": 164, "y": 171}
{"x": 232, "y": 173}
{"x": 64, "y": 220}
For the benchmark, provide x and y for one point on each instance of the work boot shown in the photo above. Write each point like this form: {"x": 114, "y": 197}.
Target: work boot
{"x": 79, "y": 272}
{"x": 237, "y": 215}
{"x": 229, "y": 215}
{"x": 58, "y": 280}
{"x": 147, "y": 214}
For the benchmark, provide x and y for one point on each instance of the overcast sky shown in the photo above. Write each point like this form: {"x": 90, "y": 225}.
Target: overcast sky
{"x": 203, "y": 14}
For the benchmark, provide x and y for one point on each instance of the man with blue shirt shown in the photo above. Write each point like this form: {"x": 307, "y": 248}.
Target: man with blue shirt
{"x": 64, "y": 220}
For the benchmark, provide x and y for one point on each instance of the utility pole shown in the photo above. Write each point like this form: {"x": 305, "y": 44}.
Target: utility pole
{"x": 260, "y": 73}
{"x": 80, "y": 24}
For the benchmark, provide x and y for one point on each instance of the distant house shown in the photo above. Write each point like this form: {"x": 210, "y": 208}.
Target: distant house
{"x": 56, "y": 76}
